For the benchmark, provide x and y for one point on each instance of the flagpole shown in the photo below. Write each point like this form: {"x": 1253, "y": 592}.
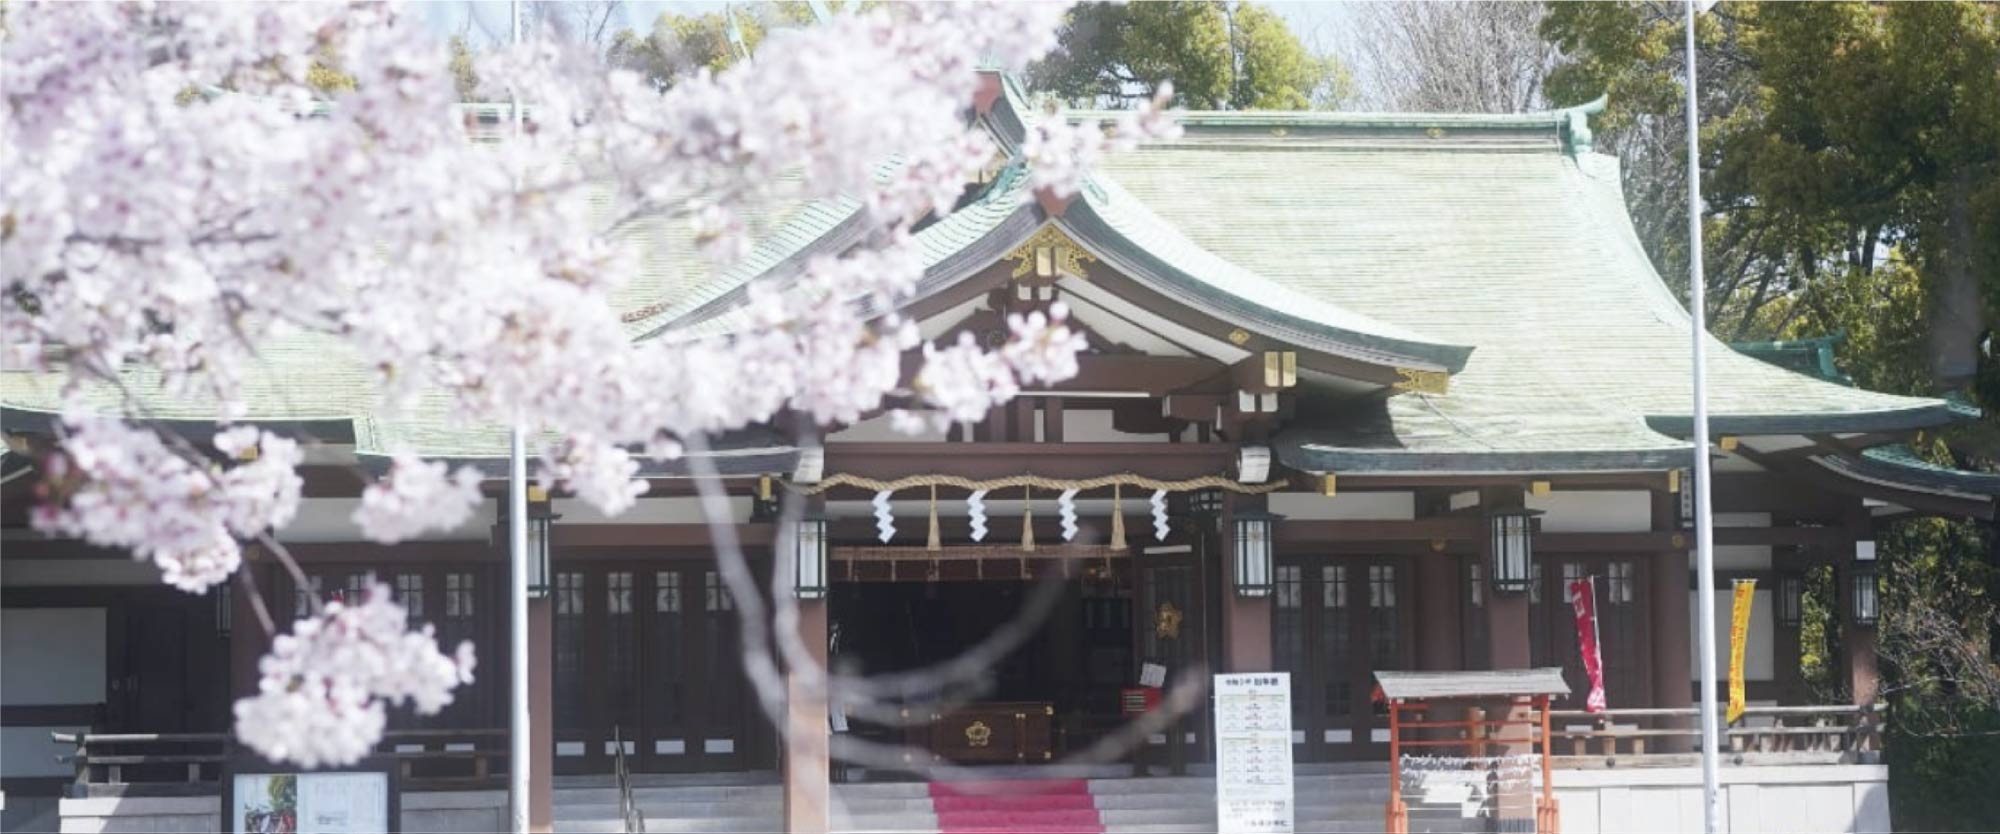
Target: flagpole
{"x": 1704, "y": 526}
{"x": 519, "y": 726}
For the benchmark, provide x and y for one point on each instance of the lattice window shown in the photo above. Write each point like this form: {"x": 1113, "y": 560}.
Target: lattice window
{"x": 716, "y": 596}
{"x": 666, "y": 591}
{"x": 459, "y": 590}
{"x": 569, "y": 594}
{"x": 618, "y": 593}
{"x": 1621, "y": 584}
{"x": 410, "y": 593}
{"x": 1291, "y": 594}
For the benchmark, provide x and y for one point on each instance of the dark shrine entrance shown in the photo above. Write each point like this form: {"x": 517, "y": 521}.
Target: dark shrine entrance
{"x": 1058, "y": 691}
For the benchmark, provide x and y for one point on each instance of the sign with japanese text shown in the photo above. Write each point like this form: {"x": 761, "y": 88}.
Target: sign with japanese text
{"x": 1253, "y": 752}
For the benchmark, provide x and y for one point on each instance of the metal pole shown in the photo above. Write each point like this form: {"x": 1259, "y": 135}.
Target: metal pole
{"x": 1704, "y": 527}
{"x": 519, "y": 726}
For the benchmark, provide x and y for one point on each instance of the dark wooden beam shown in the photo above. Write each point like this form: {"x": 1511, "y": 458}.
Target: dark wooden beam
{"x": 887, "y": 461}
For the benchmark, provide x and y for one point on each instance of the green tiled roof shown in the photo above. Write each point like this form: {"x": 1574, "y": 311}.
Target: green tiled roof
{"x": 1390, "y": 232}
{"x": 1515, "y": 247}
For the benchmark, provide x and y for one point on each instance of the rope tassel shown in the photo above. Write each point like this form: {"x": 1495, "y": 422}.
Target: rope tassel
{"x": 935, "y": 541}
{"x": 1117, "y": 517}
{"x": 1028, "y": 519}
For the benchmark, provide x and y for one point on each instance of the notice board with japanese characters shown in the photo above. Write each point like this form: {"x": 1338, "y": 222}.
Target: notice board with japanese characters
{"x": 1253, "y": 752}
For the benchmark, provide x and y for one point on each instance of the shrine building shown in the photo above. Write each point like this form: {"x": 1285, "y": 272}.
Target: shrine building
{"x": 1363, "y": 392}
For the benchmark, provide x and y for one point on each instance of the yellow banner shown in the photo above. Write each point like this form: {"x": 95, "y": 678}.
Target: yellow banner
{"x": 1739, "y": 637}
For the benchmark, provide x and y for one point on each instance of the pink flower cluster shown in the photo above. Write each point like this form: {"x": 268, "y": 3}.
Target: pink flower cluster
{"x": 122, "y": 487}
{"x": 325, "y": 686}
{"x": 417, "y": 496}
{"x": 178, "y": 196}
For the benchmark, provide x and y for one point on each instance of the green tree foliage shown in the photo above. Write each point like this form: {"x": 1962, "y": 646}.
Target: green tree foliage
{"x": 1219, "y": 56}
{"x": 1834, "y": 135}
{"x": 680, "y": 45}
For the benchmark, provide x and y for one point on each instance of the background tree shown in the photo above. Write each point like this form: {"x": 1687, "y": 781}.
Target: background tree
{"x": 1219, "y": 56}
{"x": 1457, "y": 57}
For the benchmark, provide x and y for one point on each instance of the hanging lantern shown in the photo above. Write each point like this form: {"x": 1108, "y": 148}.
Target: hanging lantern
{"x": 1513, "y": 532}
{"x": 541, "y": 517}
{"x": 1255, "y": 543}
{"x": 1791, "y": 600}
{"x": 809, "y": 557}
{"x": 1866, "y": 593}
{"x": 1205, "y": 503}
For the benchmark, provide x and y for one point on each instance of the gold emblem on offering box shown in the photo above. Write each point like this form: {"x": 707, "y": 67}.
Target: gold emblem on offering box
{"x": 977, "y": 734}
{"x": 1167, "y": 622}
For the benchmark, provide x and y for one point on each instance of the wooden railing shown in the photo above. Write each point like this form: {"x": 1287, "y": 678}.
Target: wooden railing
{"x": 191, "y": 763}
{"x": 1772, "y": 735}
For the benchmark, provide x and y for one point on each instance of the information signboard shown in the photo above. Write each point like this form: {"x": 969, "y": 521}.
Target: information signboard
{"x": 265, "y": 799}
{"x": 1253, "y": 752}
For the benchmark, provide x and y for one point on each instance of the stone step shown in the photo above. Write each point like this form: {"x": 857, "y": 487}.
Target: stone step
{"x": 668, "y": 825}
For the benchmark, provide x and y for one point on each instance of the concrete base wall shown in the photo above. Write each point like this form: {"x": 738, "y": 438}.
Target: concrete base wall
{"x": 439, "y": 812}
{"x": 1804, "y": 799}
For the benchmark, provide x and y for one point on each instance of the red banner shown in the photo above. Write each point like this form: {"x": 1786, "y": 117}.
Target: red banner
{"x": 1583, "y": 600}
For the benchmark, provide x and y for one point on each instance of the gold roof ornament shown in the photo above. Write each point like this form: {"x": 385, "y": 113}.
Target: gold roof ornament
{"x": 1421, "y": 382}
{"x": 1048, "y": 254}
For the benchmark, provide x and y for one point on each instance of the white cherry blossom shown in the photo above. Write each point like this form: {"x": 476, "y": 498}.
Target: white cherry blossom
{"x": 416, "y": 497}
{"x": 118, "y": 486}
{"x": 324, "y": 687}
{"x": 177, "y": 196}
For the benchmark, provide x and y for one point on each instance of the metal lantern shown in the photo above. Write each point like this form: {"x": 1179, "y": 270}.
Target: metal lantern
{"x": 1205, "y": 503}
{"x": 809, "y": 557}
{"x": 541, "y": 517}
{"x": 1513, "y": 534}
{"x": 1791, "y": 600}
{"x": 1255, "y": 545}
{"x": 1866, "y": 592}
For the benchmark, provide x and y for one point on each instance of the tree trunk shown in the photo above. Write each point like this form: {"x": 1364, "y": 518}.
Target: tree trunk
{"x": 1957, "y": 318}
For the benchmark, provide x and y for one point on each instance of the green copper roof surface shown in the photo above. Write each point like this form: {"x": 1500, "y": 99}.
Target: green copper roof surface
{"x": 1490, "y": 232}
{"x": 1527, "y": 255}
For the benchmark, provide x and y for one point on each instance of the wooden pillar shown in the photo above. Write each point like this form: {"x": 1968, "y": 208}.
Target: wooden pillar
{"x": 1857, "y": 642}
{"x": 1673, "y": 647}
{"x": 1440, "y": 601}
{"x": 541, "y": 715}
{"x": 807, "y": 767}
{"x": 1506, "y": 614}
{"x": 1246, "y": 621}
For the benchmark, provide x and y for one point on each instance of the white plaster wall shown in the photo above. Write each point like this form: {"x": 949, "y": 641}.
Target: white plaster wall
{"x": 51, "y": 656}
{"x": 23, "y": 573}
{"x": 27, "y": 751}
{"x": 681, "y": 510}
{"x": 332, "y": 520}
{"x": 1594, "y": 511}
{"x": 882, "y": 429}
{"x": 1759, "y": 659}
{"x": 1094, "y": 426}
{"x": 1803, "y": 799}
{"x": 1347, "y": 506}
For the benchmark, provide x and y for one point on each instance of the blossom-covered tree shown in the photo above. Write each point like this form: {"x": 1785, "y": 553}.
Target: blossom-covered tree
{"x": 177, "y": 191}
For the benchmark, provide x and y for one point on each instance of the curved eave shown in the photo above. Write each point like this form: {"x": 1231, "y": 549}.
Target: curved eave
{"x": 1931, "y": 414}
{"x": 1089, "y": 228}
{"x": 1920, "y": 487}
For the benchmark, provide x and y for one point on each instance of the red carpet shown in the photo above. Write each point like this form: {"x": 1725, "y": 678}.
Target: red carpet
{"x": 1028, "y": 806}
